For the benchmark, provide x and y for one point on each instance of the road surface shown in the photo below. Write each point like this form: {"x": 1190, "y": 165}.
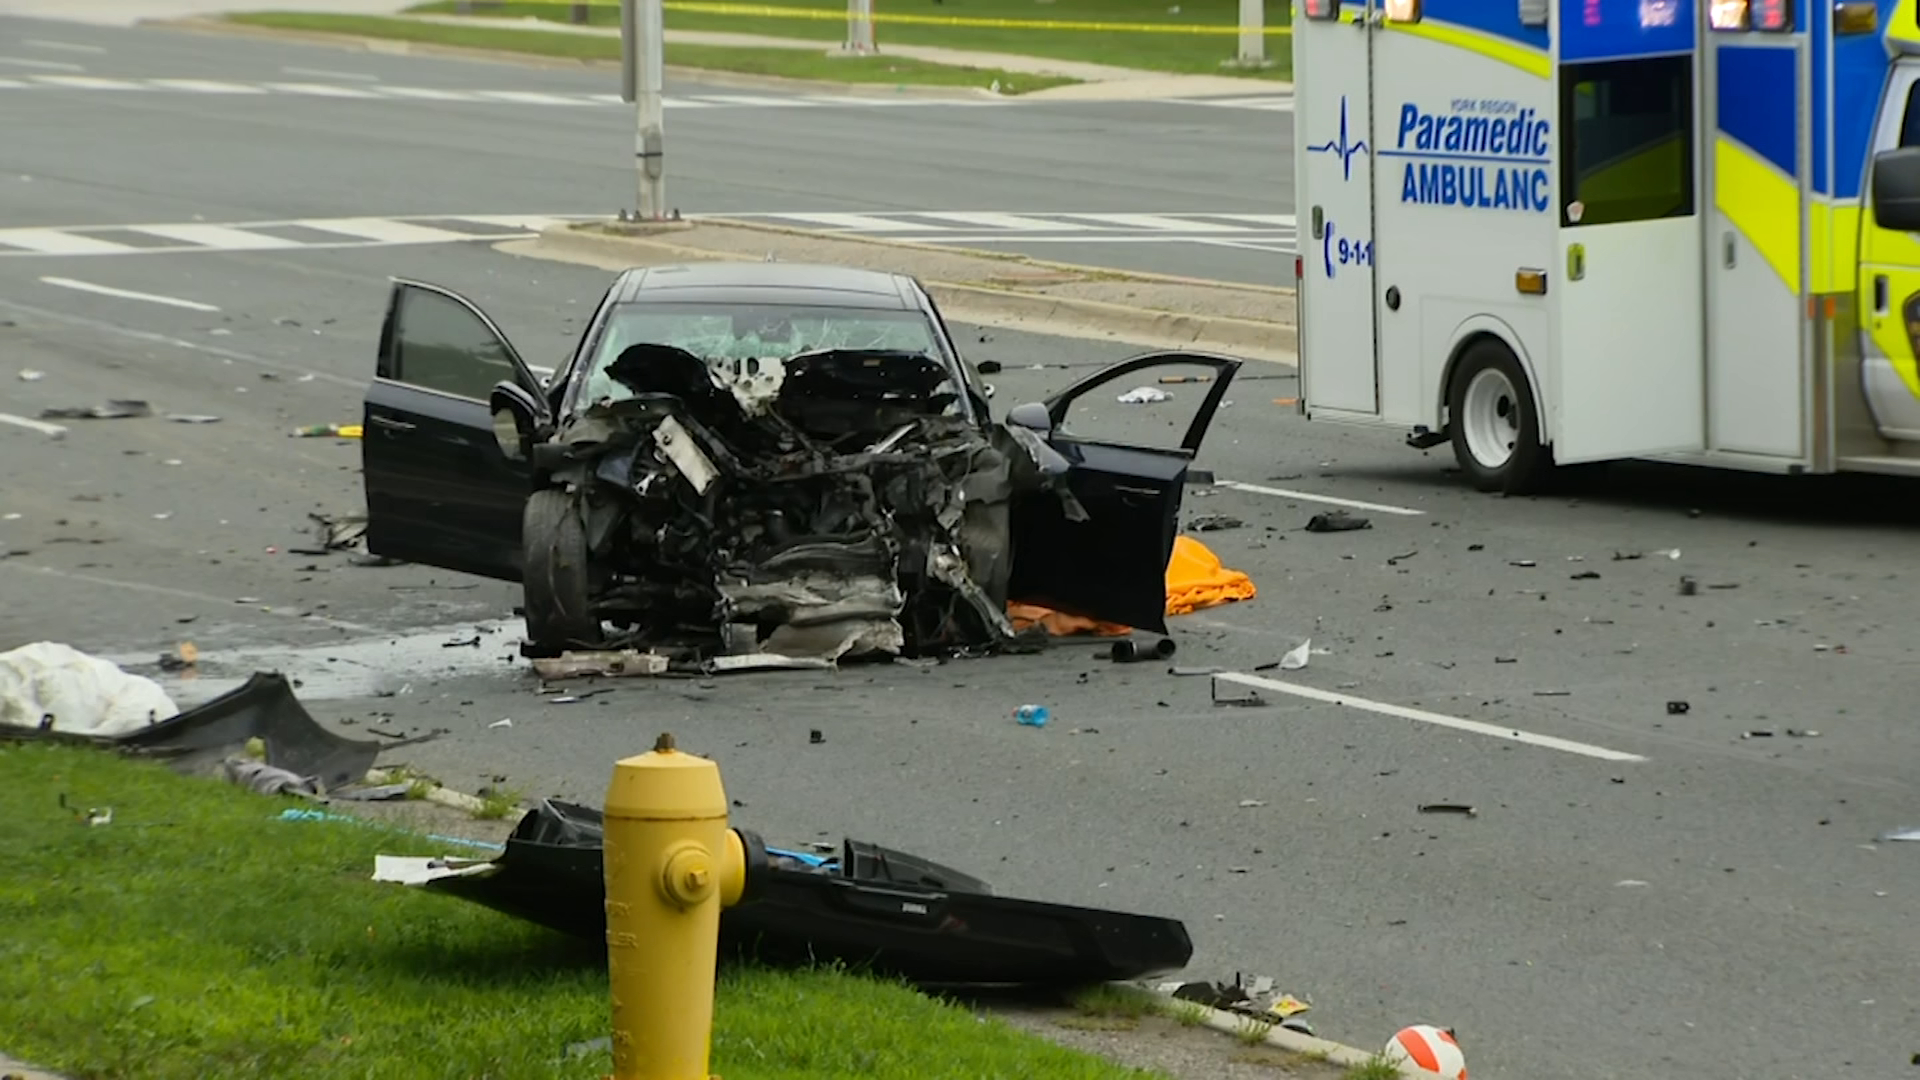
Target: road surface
{"x": 1643, "y": 893}
{"x": 261, "y": 129}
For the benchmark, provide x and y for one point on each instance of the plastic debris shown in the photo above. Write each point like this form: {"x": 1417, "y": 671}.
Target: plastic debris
{"x": 1337, "y": 521}
{"x": 1126, "y": 652}
{"x": 30, "y": 375}
{"x": 1296, "y": 657}
{"x": 1144, "y": 395}
{"x": 1461, "y": 809}
{"x": 1214, "y": 523}
{"x": 321, "y": 431}
{"x": 620, "y": 663}
{"x": 112, "y": 410}
{"x": 1032, "y": 715}
{"x": 1912, "y": 835}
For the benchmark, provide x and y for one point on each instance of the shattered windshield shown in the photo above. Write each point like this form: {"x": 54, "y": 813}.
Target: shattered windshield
{"x": 730, "y": 333}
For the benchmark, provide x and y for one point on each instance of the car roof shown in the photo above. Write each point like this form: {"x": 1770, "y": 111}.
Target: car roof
{"x": 768, "y": 283}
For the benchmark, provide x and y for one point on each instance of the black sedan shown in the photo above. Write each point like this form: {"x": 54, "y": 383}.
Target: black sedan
{"x": 770, "y": 458}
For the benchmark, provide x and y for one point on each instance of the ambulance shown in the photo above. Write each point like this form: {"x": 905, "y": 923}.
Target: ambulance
{"x": 1562, "y": 231}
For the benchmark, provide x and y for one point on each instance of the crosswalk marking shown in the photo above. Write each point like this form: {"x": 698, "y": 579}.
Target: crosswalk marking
{"x": 319, "y": 233}
{"x": 56, "y": 242}
{"x": 1253, "y": 232}
{"x": 214, "y": 236}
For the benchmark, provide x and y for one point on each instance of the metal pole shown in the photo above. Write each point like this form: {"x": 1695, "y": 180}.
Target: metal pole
{"x": 860, "y": 26}
{"x": 647, "y": 63}
{"x": 1253, "y": 39}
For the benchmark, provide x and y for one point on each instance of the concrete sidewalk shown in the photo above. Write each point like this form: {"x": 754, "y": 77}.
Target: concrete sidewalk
{"x": 1101, "y": 82}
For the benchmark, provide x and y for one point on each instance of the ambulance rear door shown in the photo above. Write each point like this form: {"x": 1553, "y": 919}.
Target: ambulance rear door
{"x": 1334, "y": 164}
{"x": 1630, "y": 337}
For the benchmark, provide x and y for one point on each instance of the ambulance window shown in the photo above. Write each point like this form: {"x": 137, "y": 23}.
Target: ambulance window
{"x": 1626, "y": 128}
{"x": 1910, "y": 124}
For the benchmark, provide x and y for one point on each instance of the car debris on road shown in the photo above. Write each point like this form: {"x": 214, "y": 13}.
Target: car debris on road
{"x": 888, "y": 911}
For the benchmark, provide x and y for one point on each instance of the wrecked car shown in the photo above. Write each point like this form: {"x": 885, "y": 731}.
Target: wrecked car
{"x": 765, "y": 458}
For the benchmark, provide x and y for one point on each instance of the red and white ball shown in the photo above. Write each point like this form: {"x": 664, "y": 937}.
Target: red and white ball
{"x": 1429, "y": 1048}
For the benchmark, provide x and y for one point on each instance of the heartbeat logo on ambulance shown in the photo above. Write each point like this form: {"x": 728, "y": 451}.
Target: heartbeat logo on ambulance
{"x": 1485, "y": 155}
{"x": 1346, "y": 150}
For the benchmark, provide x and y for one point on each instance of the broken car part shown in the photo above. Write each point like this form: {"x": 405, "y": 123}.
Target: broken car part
{"x": 867, "y": 906}
{"x": 761, "y": 458}
{"x": 199, "y": 741}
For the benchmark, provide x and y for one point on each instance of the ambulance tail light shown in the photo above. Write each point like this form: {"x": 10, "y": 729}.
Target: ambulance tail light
{"x": 1403, "y": 11}
{"x": 1530, "y": 282}
{"x": 1321, "y": 9}
{"x": 1855, "y": 17}
{"x": 1766, "y": 16}
{"x": 1299, "y": 268}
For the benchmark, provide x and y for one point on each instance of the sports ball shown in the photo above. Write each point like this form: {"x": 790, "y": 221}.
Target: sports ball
{"x": 1429, "y": 1048}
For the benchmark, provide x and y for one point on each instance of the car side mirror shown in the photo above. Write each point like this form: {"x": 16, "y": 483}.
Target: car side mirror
{"x": 1896, "y": 189}
{"x": 516, "y": 420}
{"x": 1033, "y": 416}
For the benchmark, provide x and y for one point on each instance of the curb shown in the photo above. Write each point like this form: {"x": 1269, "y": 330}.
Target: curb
{"x": 1009, "y": 309}
{"x": 1287, "y": 1039}
{"x": 709, "y": 76}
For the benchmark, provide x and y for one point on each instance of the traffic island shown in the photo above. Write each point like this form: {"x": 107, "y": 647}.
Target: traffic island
{"x": 1011, "y": 292}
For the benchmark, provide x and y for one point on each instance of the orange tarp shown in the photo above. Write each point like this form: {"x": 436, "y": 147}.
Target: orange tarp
{"x": 1195, "y": 579}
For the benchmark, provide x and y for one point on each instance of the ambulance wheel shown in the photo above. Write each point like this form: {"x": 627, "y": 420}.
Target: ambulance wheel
{"x": 1496, "y": 433}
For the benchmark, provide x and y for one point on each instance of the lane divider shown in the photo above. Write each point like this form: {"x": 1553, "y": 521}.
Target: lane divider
{"x": 1476, "y": 727}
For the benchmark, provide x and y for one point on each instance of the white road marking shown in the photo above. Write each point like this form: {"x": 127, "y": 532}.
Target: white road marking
{"x": 127, "y": 294}
{"x": 327, "y": 73}
{"x": 1308, "y": 496}
{"x": 214, "y": 236}
{"x": 384, "y": 230}
{"x": 40, "y": 426}
{"x": 322, "y": 90}
{"x": 429, "y": 94}
{"x": 63, "y": 46}
{"x": 199, "y": 237}
{"x": 529, "y": 97}
{"x": 860, "y": 222}
{"x": 982, "y": 219}
{"x": 1157, "y": 222}
{"x": 1277, "y": 247}
{"x": 88, "y": 82}
{"x": 1276, "y": 220}
{"x": 1546, "y": 742}
{"x": 206, "y": 86}
{"x": 59, "y": 242}
{"x": 1081, "y": 238}
{"x": 44, "y": 65}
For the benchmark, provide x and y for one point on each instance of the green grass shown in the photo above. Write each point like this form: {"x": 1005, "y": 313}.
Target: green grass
{"x": 1183, "y": 53}
{"x": 783, "y": 63}
{"x": 1375, "y": 1068}
{"x": 198, "y": 937}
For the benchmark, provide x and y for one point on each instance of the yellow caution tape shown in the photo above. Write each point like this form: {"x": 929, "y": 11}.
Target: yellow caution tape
{"x": 769, "y": 11}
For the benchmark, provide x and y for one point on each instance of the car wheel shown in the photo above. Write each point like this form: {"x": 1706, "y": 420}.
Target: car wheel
{"x": 556, "y": 579}
{"x": 1493, "y": 424}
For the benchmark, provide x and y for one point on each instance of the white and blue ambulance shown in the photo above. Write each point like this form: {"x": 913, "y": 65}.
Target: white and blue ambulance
{"x": 1559, "y": 231}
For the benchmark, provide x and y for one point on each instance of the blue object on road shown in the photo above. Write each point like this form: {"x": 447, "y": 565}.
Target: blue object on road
{"x": 1032, "y": 715}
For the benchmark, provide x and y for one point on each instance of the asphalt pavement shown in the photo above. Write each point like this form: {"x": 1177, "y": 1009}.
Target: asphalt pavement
{"x": 1643, "y": 891}
{"x": 244, "y": 129}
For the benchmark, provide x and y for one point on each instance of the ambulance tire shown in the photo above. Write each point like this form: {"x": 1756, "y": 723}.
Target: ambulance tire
{"x": 1493, "y": 424}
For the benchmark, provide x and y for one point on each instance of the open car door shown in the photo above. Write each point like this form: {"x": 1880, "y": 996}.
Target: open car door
{"x": 439, "y": 490}
{"x": 1113, "y": 566}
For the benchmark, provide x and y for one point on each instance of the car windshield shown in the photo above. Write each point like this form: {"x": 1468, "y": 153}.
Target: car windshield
{"x": 733, "y": 332}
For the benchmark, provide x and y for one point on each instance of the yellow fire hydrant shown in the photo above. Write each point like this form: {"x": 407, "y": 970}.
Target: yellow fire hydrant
{"x": 671, "y": 864}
